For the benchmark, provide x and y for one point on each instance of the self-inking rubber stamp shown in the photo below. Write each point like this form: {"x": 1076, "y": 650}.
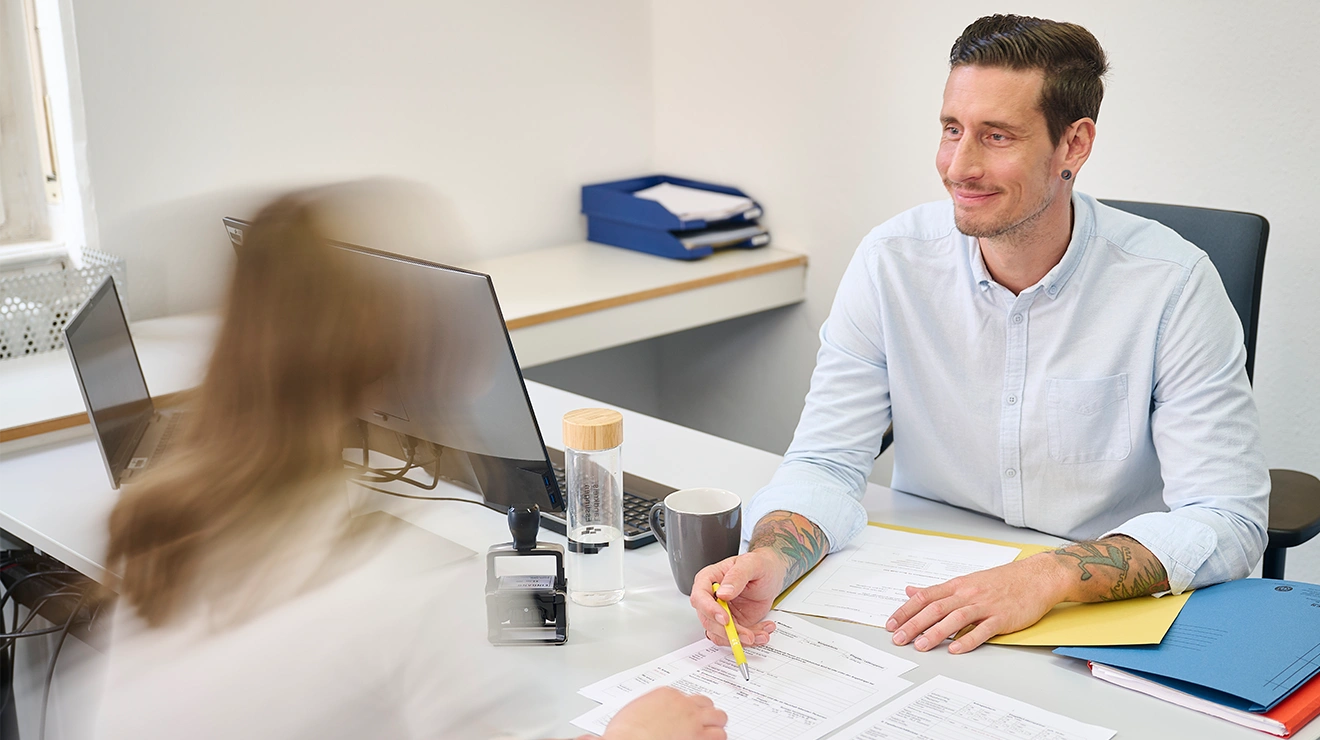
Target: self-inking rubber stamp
{"x": 526, "y": 609}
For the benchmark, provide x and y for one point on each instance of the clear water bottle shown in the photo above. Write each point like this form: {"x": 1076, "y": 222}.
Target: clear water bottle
{"x": 593, "y": 467}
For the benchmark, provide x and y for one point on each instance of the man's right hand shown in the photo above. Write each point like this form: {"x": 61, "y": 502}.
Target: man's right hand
{"x": 783, "y": 547}
{"x": 749, "y": 583}
{"x": 667, "y": 714}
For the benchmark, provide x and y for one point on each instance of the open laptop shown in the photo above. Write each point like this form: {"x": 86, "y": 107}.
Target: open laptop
{"x": 462, "y": 390}
{"x": 131, "y": 434}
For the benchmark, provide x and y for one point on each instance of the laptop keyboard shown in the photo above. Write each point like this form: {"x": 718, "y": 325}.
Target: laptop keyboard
{"x": 636, "y": 510}
{"x": 168, "y": 435}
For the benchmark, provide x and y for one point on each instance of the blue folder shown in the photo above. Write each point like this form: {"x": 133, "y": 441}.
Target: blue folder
{"x": 1246, "y": 644}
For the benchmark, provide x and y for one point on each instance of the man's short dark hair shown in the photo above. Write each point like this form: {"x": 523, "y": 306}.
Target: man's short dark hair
{"x": 1071, "y": 58}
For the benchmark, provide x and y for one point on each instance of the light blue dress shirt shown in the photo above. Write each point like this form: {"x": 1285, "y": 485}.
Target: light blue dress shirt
{"x": 1110, "y": 397}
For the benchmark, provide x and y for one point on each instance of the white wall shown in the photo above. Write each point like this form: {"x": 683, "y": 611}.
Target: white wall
{"x": 199, "y": 110}
{"x": 827, "y": 112}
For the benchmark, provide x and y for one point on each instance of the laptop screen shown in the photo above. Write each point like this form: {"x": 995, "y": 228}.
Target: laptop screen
{"x": 111, "y": 378}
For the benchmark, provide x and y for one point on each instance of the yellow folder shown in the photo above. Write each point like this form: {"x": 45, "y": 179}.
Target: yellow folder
{"x": 1139, "y": 621}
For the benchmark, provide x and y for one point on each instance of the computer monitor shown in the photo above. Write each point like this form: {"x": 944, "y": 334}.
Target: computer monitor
{"x": 460, "y": 386}
{"x": 110, "y": 376}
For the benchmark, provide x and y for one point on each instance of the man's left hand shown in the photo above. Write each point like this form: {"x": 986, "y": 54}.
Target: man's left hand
{"x": 999, "y": 600}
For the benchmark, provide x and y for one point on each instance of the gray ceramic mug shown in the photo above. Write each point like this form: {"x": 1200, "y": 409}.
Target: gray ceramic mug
{"x": 701, "y": 526}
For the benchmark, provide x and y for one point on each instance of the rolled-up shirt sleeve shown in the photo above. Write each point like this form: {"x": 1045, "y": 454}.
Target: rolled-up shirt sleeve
{"x": 1206, "y": 432}
{"x": 823, "y": 475}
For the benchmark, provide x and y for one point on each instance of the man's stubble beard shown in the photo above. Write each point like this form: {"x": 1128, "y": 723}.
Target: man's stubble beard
{"x": 996, "y": 231}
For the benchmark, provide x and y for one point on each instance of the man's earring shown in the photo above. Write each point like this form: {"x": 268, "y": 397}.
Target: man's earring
{"x": 1066, "y": 174}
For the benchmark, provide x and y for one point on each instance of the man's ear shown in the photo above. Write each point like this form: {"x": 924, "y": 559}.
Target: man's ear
{"x": 1076, "y": 143}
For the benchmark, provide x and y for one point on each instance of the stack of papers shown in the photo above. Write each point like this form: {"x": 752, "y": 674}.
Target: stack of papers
{"x": 806, "y": 683}
{"x": 1287, "y": 717}
{"x": 692, "y": 204}
{"x": 809, "y": 682}
{"x": 1244, "y": 645}
{"x": 865, "y": 581}
{"x": 943, "y": 708}
{"x": 716, "y": 238}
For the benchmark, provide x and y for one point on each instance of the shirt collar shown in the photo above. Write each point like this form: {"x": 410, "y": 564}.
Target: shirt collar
{"x": 1083, "y": 228}
{"x": 1054, "y": 281}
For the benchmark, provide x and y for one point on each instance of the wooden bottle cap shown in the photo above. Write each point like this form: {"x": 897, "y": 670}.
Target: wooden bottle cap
{"x": 593, "y": 429}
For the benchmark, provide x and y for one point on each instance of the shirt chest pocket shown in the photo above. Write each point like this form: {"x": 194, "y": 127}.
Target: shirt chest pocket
{"x": 1088, "y": 419}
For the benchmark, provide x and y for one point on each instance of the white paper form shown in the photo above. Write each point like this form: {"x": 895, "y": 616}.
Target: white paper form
{"x": 865, "y": 581}
{"x": 945, "y": 709}
{"x": 691, "y": 204}
{"x": 807, "y": 682}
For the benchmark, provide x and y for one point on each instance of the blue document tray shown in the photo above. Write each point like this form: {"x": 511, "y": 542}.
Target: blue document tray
{"x": 614, "y": 201}
{"x": 660, "y": 243}
{"x": 616, "y": 217}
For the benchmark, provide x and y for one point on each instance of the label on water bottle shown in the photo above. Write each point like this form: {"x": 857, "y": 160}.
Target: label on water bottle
{"x": 590, "y": 542}
{"x": 595, "y": 560}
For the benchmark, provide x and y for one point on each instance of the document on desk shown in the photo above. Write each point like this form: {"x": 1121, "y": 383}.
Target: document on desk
{"x": 865, "y": 581}
{"x": 945, "y": 709}
{"x": 807, "y": 682}
{"x": 1128, "y": 622}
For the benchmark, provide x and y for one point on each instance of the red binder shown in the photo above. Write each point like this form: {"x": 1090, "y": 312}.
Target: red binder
{"x": 1301, "y": 706}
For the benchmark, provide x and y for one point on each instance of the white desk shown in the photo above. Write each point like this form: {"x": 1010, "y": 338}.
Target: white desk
{"x": 557, "y": 302}
{"x": 56, "y": 497}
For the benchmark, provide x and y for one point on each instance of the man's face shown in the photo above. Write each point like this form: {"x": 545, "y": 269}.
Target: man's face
{"x": 995, "y": 155}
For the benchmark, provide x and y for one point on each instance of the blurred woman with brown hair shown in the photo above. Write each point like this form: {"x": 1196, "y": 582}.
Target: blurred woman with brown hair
{"x": 252, "y": 603}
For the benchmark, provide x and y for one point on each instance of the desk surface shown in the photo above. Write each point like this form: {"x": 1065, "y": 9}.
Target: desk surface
{"x": 56, "y": 497}
{"x": 557, "y": 302}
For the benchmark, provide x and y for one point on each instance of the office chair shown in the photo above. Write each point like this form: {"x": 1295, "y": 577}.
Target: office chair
{"x": 1235, "y": 243}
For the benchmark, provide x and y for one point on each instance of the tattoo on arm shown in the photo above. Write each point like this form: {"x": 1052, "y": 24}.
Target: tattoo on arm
{"x": 799, "y": 542}
{"x": 1112, "y": 563}
{"x": 1096, "y": 554}
{"x": 1144, "y": 580}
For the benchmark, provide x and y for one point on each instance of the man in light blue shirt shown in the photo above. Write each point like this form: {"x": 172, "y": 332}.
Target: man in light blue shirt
{"x": 1043, "y": 358}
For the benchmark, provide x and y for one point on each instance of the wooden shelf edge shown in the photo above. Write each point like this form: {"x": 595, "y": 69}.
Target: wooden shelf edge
{"x": 43, "y": 427}
{"x": 73, "y": 420}
{"x": 797, "y": 260}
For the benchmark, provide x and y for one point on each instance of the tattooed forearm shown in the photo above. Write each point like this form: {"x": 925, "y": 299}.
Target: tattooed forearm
{"x": 1095, "y": 553}
{"x": 1145, "y": 580}
{"x": 1115, "y": 568}
{"x": 794, "y": 538}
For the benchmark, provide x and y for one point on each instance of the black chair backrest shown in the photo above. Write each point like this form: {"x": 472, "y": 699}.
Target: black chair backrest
{"x": 1235, "y": 243}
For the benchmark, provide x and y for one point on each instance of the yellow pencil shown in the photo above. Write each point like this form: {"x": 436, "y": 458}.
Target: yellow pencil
{"x": 734, "y": 642}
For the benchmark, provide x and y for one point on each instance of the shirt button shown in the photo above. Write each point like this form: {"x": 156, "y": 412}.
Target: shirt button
{"x": 1054, "y": 289}
{"x": 1010, "y": 472}
{"x": 1012, "y": 400}
{"x": 1017, "y": 318}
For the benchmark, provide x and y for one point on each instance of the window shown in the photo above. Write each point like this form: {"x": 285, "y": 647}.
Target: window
{"x": 41, "y": 215}
{"x": 43, "y": 122}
